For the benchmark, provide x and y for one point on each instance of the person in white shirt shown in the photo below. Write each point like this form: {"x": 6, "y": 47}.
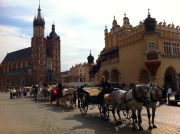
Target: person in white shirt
{"x": 169, "y": 93}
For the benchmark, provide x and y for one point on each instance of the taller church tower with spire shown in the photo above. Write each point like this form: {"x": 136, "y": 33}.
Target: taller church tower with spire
{"x": 45, "y": 52}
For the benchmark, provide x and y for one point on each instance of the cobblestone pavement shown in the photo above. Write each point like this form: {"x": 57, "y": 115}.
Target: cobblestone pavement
{"x": 24, "y": 116}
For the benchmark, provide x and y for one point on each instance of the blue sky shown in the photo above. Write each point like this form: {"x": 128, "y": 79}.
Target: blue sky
{"x": 80, "y": 23}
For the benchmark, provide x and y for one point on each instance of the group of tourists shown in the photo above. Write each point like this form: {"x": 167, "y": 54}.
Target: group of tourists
{"x": 54, "y": 92}
{"x": 17, "y": 93}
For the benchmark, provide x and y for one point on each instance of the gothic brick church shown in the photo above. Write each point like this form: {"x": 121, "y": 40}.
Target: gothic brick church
{"x": 39, "y": 63}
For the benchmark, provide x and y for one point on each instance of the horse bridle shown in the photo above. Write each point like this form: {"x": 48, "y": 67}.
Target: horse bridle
{"x": 155, "y": 93}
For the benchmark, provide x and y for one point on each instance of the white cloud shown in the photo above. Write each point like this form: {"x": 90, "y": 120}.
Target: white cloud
{"x": 12, "y": 39}
{"x": 80, "y": 23}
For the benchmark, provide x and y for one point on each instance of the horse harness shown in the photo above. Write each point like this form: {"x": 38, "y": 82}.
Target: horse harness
{"x": 134, "y": 96}
{"x": 155, "y": 93}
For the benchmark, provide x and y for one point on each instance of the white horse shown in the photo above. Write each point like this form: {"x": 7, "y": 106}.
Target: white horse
{"x": 132, "y": 99}
{"x": 43, "y": 94}
{"x": 115, "y": 99}
{"x": 156, "y": 95}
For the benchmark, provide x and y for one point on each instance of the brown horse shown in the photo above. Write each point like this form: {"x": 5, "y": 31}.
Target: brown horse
{"x": 68, "y": 95}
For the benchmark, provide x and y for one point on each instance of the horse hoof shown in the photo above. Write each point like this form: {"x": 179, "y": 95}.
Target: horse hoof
{"x": 141, "y": 128}
{"x": 119, "y": 122}
{"x": 150, "y": 128}
{"x": 134, "y": 129}
{"x": 154, "y": 126}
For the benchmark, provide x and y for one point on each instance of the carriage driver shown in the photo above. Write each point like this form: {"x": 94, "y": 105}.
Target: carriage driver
{"x": 104, "y": 88}
{"x": 60, "y": 89}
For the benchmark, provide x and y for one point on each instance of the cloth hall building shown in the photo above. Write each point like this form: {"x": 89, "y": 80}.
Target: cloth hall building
{"x": 36, "y": 64}
{"x": 141, "y": 54}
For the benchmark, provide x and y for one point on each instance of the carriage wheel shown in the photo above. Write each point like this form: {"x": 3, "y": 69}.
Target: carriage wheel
{"x": 104, "y": 112}
{"x": 83, "y": 106}
{"x": 127, "y": 113}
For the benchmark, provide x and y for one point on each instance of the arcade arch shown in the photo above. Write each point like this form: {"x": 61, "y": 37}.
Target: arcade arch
{"x": 171, "y": 78}
{"x": 115, "y": 76}
{"x": 106, "y": 75}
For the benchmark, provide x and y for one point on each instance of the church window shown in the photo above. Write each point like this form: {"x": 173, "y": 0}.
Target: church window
{"x": 49, "y": 64}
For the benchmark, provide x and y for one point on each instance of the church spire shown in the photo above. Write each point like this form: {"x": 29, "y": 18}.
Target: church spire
{"x": 39, "y": 12}
{"x": 149, "y": 15}
{"x": 39, "y": 4}
{"x": 39, "y": 21}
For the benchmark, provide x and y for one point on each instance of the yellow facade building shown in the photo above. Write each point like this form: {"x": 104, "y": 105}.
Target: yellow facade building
{"x": 141, "y": 54}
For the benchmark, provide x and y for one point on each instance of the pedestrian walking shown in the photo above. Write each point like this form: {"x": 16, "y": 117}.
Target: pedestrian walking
{"x": 35, "y": 88}
{"x": 11, "y": 93}
{"x": 14, "y": 92}
{"x": 169, "y": 92}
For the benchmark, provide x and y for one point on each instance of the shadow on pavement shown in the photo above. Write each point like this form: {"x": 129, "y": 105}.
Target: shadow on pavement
{"x": 94, "y": 122}
{"x": 55, "y": 108}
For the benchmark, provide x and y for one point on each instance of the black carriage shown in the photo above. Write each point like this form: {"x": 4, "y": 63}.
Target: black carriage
{"x": 90, "y": 96}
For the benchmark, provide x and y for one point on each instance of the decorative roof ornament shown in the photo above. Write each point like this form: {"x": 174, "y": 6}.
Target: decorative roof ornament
{"x": 114, "y": 22}
{"x": 126, "y": 23}
{"x": 105, "y": 30}
{"x": 164, "y": 23}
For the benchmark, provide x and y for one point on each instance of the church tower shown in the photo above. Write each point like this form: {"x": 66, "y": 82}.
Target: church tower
{"x": 38, "y": 45}
{"x": 53, "y": 56}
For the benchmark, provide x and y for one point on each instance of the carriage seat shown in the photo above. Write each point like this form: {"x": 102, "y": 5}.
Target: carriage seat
{"x": 92, "y": 91}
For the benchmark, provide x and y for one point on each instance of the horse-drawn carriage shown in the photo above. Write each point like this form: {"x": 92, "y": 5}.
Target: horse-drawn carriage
{"x": 90, "y": 97}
